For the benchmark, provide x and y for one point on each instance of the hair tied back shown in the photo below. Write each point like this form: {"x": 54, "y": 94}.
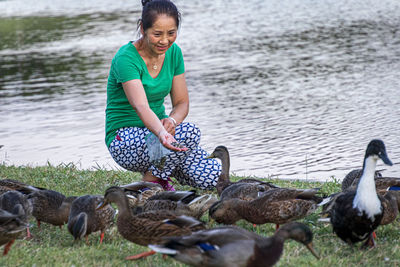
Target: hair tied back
{"x": 145, "y": 2}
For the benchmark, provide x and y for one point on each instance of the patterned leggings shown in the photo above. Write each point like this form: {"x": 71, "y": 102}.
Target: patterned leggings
{"x": 129, "y": 150}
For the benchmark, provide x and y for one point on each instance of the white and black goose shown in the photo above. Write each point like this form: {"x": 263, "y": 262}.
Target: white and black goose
{"x": 357, "y": 213}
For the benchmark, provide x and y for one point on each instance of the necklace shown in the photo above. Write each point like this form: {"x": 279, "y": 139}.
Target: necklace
{"x": 155, "y": 66}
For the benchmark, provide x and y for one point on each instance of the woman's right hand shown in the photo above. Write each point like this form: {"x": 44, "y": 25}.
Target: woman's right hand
{"x": 167, "y": 140}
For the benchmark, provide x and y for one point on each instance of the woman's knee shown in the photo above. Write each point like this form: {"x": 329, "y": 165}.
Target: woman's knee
{"x": 189, "y": 134}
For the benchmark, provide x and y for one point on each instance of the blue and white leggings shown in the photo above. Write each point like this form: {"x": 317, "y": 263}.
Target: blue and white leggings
{"x": 129, "y": 150}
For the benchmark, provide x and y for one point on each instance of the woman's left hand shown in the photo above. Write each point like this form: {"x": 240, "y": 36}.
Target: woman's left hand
{"x": 169, "y": 125}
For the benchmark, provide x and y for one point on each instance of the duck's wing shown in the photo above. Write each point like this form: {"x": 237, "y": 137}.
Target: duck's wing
{"x": 279, "y": 194}
{"x": 266, "y": 185}
{"x": 218, "y": 236}
{"x": 141, "y": 186}
{"x": 183, "y": 196}
{"x": 184, "y": 221}
{"x": 245, "y": 191}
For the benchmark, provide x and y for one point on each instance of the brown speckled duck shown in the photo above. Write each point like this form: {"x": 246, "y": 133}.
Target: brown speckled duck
{"x": 179, "y": 202}
{"x": 246, "y": 189}
{"x": 85, "y": 219}
{"x": 234, "y": 246}
{"x": 149, "y": 227}
{"x": 51, "y": 207}
{"x": 278, "y": 206}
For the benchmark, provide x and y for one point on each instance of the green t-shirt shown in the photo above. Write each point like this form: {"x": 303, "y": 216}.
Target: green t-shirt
{"x": 128, "y": 65}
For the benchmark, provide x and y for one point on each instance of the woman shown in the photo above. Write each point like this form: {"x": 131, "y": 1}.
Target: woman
{"x": 142, "y": 74}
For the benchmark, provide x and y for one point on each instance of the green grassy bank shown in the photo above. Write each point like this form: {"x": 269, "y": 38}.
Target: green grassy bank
{"x": 53, "y": 246}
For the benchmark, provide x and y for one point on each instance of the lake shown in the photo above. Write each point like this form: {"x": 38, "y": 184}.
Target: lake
{"x": 294, "y": 89}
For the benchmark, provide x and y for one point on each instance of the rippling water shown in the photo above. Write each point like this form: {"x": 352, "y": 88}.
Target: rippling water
{"x": 294, "y": 89}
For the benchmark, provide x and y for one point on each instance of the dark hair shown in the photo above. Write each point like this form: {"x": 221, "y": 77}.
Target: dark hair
{"x": 157, "y": 7}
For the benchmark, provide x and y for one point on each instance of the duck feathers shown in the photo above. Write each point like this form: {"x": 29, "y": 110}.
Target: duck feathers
{"x": 277, "y": 206}
{"x": 145, "y": 229}
{"x": 51, "y": 206}
{"x": 233, "y": 246}
{"x": 355, "y": 214}
{"x": 85, "y": 219}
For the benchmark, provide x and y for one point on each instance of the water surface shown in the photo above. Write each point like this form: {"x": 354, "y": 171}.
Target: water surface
{"x": 294, "y": 89}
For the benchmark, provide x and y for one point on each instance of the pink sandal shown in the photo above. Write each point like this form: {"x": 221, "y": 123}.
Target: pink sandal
{"x": 165, "y": 184}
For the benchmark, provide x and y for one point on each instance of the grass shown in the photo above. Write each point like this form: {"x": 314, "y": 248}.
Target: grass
{"x": 53, "y": 246}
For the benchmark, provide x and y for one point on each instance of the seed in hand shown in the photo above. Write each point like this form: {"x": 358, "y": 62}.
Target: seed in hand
{"x": 176, "y": 144}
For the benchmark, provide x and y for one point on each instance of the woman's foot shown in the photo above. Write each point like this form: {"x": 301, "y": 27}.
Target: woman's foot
{"x": 148, "y": 177}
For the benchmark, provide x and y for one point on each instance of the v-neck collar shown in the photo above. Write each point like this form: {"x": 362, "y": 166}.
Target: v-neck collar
{"x": 144, "y": 63}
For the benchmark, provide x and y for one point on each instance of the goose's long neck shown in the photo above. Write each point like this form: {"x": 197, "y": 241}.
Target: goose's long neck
{"x": 366, "y": 198}
{"x": 223, "y": 180}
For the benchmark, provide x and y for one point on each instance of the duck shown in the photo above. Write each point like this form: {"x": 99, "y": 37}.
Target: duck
{"x": 352, "y": 178}
{"x": 179, "y": 202}
{"x": 51, "y": 207}
{"x": 10, "y": 199}
{"x": 278, "y": 206}
{"x": 12, "y": 225}
{"x": 234, "y": 246}
{"x": 247, "y": 188}
{"x": 7, "y": 184}
{"x": 85, "y": 219}
{"x": 390, "y": 199}
{"x": 148, "y": 227}
{"x": 138, "y": 192}
{"x": 356, "y": 213}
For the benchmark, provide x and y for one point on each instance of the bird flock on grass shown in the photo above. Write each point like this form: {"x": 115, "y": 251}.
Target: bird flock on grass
{"x": 172, "y": 222}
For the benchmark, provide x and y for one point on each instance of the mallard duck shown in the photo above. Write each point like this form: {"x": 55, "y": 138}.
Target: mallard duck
{"x": 139, "y": 192}
{"x": 278, "y": 206}
{"x": 149, "y": 227}
{"x": 175, "y": 196}
{"x": 11, "y": 184}
{"x": 85, "y": 219}
{"x": 10, "y": 199}
{"x": 245, "y": 188}
{"x": 234, "y": 246}
{"x": 51, "y": 207}
{"x": 12, "y": 225}
{"x": 179, "y": 202}
{"x": 357, "y": 213}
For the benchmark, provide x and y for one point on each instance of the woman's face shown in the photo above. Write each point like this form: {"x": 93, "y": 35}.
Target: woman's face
{"x": 161, "y": 35}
